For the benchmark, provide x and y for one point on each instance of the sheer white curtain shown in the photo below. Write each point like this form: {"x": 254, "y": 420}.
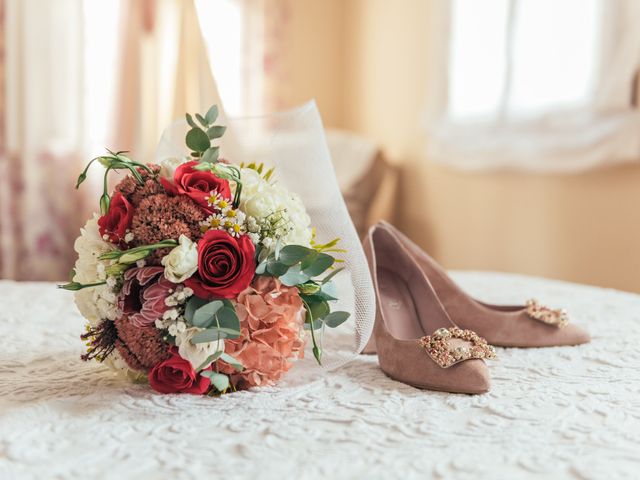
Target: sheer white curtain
{"x": 46, "y": 132}
{"x": 541, "y": 85}
{"x": 78, "y": 76}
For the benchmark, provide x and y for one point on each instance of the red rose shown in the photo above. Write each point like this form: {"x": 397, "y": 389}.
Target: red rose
{"x": 226, "y": 265}
{"x": 116, "y": 221}
{"x": 197, "y": 185}
{"x": 176, "y": 375}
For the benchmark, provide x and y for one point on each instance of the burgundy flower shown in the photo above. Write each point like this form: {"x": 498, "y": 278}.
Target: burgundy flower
{"x": 143, "y": 294}
{"x": 117, "y": 220}
{"x": 226, "y": 265}
{"x": 197, "y": 184}
{"x": 141, "y": 347}
{"x": 176, "y": 375}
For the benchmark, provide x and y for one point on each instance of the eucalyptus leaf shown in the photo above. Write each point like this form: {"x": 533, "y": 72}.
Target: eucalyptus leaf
{"x": 317, "y": 309}
{"x": 277, "y": 268}
{"x": 328, "y": 291}
{"x": 212, "y": 114}
{"x": 261, "y": 269}
{"x": 193, "y": 304}
{"x": 228, "y": 319}
{"x": 190, "y": 121}
{"x": 219, "y": 380}
{"x": 202, "y": 120}
{"x": 203, "y": 317}
{"x": 213, "y": 334}
{"x": 336, "y": 318}
{"x": 216, "y": 131}
{"x": 294, "y": 276}
{"x": 317, "y": 324}
{"x": 234, "y": 362}
{"x": 319, "y": 265}
{"x": 210, "y": 359}
{"x": 211, "y": 155}
{"x": 197, "y": 140}
{"x": 292, "y": 254}
{"x": 308, "y": 260}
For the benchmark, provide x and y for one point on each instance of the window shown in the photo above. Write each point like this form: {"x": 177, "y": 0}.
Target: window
{"x": 540, "y": 85}
{"x": 521, "y": 59}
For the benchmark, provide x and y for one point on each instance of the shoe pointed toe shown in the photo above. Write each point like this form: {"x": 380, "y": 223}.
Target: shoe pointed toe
{"x": 471, "y": 376}
{"x": 573, "y": 335}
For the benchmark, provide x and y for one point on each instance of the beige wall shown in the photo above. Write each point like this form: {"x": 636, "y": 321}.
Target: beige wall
{"x": 369, "y": 72}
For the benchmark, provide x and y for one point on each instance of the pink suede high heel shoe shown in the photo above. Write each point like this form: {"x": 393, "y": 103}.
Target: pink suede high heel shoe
{"x": 417, "y": 342}
{"x": 529, "y": 325}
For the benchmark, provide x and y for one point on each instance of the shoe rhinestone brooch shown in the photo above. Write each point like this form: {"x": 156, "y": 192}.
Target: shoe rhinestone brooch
{"x": 556, "y": 317}
{"x": 445, "y": 355}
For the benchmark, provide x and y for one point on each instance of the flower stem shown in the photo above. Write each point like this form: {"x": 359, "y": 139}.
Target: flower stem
{"x": 317, "y": 351}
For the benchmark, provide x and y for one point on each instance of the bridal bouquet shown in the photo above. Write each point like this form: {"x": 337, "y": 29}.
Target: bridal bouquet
{"x": 199, "y": 274}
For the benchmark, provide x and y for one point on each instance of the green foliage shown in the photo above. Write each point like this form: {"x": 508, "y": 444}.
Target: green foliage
{"x": 202, "y": 133}
{"x": 197, "y": 140}
{"x": 212, "y": 114}
{"x": 203, "y": 316}
{"x": 217, "y": 317}
{"x": 132, "y": 255}
{"x": 296, "y": 265}
{"x": 211, "y": 155}
{"x": 233, "y": 362}
{"x": 335, "y": 319}
{"x": 75, "y": 286}
{"x": 219, "y": 380}
{"x": 216, "y": 131}
{"x": 114, "y": 161}
{"x": 210, "y": 359}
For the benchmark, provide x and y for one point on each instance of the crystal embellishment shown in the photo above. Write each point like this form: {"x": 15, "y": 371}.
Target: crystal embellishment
{"x": 439, "y": 348}
{"x": 556, "y": 317}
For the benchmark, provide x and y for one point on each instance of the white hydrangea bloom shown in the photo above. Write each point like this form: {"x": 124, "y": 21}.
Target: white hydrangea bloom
{"x": 95, "y": 303}
{"x": 260, "y": 199}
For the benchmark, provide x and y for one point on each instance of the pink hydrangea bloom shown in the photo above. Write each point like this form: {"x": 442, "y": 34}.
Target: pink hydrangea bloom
{"x": 271, "y": 322}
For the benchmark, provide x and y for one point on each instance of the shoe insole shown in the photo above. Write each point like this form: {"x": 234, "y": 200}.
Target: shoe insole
{"x": 398, "y": 306}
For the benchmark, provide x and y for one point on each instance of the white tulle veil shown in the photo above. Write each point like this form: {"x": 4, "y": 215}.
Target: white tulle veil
{"x": 294, "y": 143}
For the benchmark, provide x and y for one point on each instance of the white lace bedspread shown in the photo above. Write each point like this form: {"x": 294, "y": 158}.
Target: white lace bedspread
{"x": 570, "y": 412}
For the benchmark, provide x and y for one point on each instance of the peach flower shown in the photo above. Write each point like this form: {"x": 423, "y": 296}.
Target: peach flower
{"x": 272, "y": 333}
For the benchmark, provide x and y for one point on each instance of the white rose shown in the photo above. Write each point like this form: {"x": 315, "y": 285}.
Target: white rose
{"x": 196, "y": 353}
{"x": 168, "y": 166}
{"x": 181, "y": 262}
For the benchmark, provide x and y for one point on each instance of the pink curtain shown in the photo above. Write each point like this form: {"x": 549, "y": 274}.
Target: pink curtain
{"x": 40, "y": 139}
